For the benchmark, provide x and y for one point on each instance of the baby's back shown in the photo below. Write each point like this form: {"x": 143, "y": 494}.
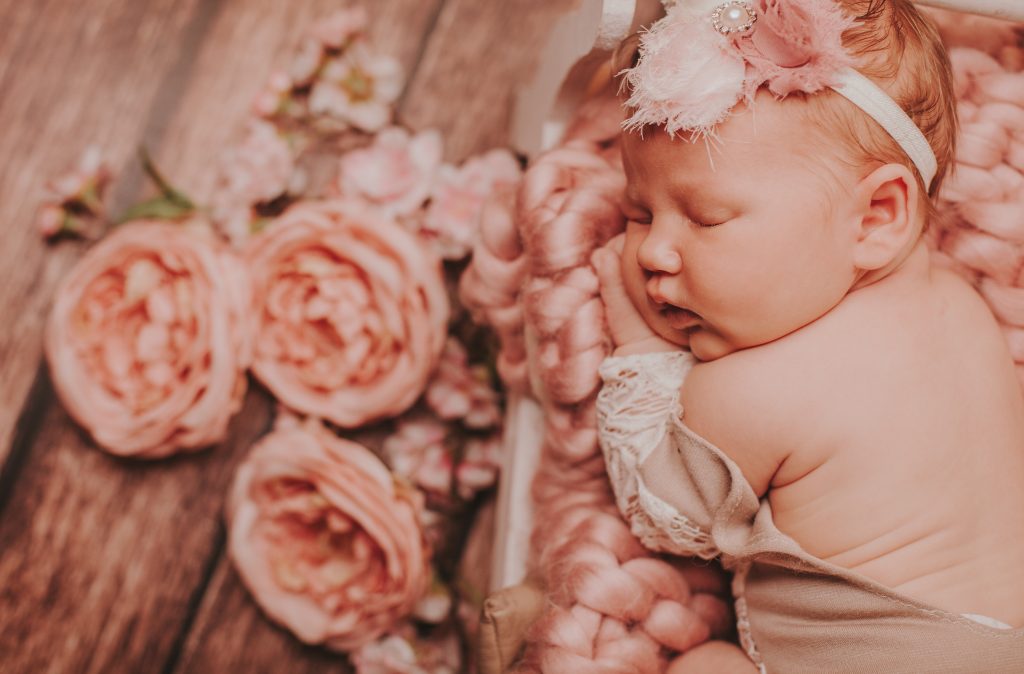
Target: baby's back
{"x": 902, "y": 425}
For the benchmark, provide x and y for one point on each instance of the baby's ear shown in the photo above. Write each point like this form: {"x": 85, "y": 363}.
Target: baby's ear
{"x": 887, "y": 212}
{"x": 626, "y": 54}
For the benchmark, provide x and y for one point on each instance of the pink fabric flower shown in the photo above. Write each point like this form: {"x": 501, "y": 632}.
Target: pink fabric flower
{"x": 403, "y": 652}
{"x": 358, "y": 87}
{"x": 452, "y": 220}
{"x": 395, "y": 173}
{"x": 353, "y": 313}
{"x": 797, "y": 45}
{"x": 260, "y": 169}
{"x": 459, "y": 391}
{"x": 687, "y": 76}
{"x": 326, "y": 540}
{"x": 149, "y": 339}
{"x": 690, "y": 76}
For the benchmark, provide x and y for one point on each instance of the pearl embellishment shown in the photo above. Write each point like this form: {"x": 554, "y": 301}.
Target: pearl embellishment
{"x": 734, "y": 17}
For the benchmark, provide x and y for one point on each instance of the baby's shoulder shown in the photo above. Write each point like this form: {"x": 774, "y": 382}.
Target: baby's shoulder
{"x": 742, "y": 405}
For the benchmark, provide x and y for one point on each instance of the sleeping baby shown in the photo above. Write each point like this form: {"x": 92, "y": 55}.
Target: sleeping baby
{"x": 796, "y": 388}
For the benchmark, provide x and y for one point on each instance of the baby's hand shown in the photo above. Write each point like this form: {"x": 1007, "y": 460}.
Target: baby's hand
{"x": 630, "y": 332}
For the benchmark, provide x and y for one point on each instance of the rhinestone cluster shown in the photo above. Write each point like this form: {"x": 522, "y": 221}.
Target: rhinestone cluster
{"x": 734, "y": 17}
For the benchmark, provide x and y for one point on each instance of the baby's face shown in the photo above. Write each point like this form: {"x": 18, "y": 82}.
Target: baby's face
{"x": 738, "y": 244}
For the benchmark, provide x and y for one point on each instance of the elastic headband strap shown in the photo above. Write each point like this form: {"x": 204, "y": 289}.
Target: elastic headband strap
{"x": 873, "y": 100}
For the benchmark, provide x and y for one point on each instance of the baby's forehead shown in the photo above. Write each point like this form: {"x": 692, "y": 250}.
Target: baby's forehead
{"x": 756, "y": 142}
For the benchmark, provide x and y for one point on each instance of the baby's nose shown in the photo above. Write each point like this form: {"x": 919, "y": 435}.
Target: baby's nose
{"x": 658, "y": 258}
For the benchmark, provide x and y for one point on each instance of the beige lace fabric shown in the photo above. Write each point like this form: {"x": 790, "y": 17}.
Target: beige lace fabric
{"x": 795, "y": 612}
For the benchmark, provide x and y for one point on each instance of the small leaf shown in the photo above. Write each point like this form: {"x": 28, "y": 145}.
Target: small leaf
{"x": 159, "y": 208}
{"x": 169, "y": 192}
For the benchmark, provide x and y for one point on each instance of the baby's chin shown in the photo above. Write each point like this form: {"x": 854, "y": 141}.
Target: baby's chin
{"x": 705, "y": 344}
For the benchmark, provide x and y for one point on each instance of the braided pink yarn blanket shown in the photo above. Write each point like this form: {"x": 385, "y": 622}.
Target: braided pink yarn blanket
{"x": 981, "y": 228}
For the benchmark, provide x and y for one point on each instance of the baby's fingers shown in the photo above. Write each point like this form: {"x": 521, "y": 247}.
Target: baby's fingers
{"x": 624, "y": 321}
{"x": 609, "y": 273}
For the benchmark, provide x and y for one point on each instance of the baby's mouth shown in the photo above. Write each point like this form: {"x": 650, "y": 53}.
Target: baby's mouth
{"x": 679, "y": 318}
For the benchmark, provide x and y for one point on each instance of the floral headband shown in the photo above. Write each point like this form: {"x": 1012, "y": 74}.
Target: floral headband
{"x": 705, "y": 56}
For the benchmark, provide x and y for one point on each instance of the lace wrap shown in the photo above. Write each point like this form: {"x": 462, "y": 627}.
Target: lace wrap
{"x": 635, "y": 410}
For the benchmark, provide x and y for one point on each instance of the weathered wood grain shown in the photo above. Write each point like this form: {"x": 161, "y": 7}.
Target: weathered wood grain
{"x": 70, "y": 74}
{"x": 230, "y": 634}
{"x": 478, "y": 54}
{"x": 103, "y": 559}
{"x": 104, "y": 562}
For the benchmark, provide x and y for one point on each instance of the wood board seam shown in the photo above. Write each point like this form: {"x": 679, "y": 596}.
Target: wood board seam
{"x": 26, "y": 430}
{"x": 428, "y": 34}
{"x": 195, "y": 601}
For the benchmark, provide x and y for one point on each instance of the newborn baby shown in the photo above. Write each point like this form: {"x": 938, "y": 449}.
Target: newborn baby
{"x": 845, "y": 430}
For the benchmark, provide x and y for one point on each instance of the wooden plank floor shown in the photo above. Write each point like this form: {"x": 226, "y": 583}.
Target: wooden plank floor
{"x": 109, "y": 565}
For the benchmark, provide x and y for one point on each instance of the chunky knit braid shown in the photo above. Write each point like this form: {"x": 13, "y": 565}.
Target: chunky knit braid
{"x": 613, "y": 607}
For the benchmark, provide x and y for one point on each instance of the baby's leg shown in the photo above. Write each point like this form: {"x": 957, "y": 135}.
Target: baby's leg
{"x": 713, "y": 657}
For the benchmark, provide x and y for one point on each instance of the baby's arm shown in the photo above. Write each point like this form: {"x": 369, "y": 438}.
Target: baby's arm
{"x": 629, "y": 331}
{"x": 716, "y": 394}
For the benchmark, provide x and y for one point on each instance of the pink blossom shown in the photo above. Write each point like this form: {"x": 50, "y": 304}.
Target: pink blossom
{"x": 358, "y": 87}
{"x": 395, "y": 173}
{"x": 353, "y": 311}
{"x": 260, "y": 169}
{"x": 306, "y": 62}
{"x": 325, "y": 538}
{"x": 480, "y": 465}
{"x": 403, "y": 652}
{"x": 79, "y": 190}
{"x": 463, "y": 392}
{"x": 435, "y": 605}
{"x": 51, "y": 220}
{"x": 90, "y": 174}
{"x": 391, "y": 654}
{"x": 417, "y": 451}
{"x": 149, "y": 339}
{"x": 452, "y": 219}
{"x": 337, "y": 29}
{"x": 434, "y": 473}
{"x": 274, "y": 95}
{"x": 420, "y": 451}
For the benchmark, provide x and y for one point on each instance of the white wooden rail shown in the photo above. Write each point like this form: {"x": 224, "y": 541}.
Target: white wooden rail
{"x": 579, "y": 43}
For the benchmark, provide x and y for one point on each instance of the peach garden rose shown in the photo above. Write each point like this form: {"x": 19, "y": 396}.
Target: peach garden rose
{"x": 353, "y": 314}
{"x": 149, "y": 338}
{"x": 325, "y": 538}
